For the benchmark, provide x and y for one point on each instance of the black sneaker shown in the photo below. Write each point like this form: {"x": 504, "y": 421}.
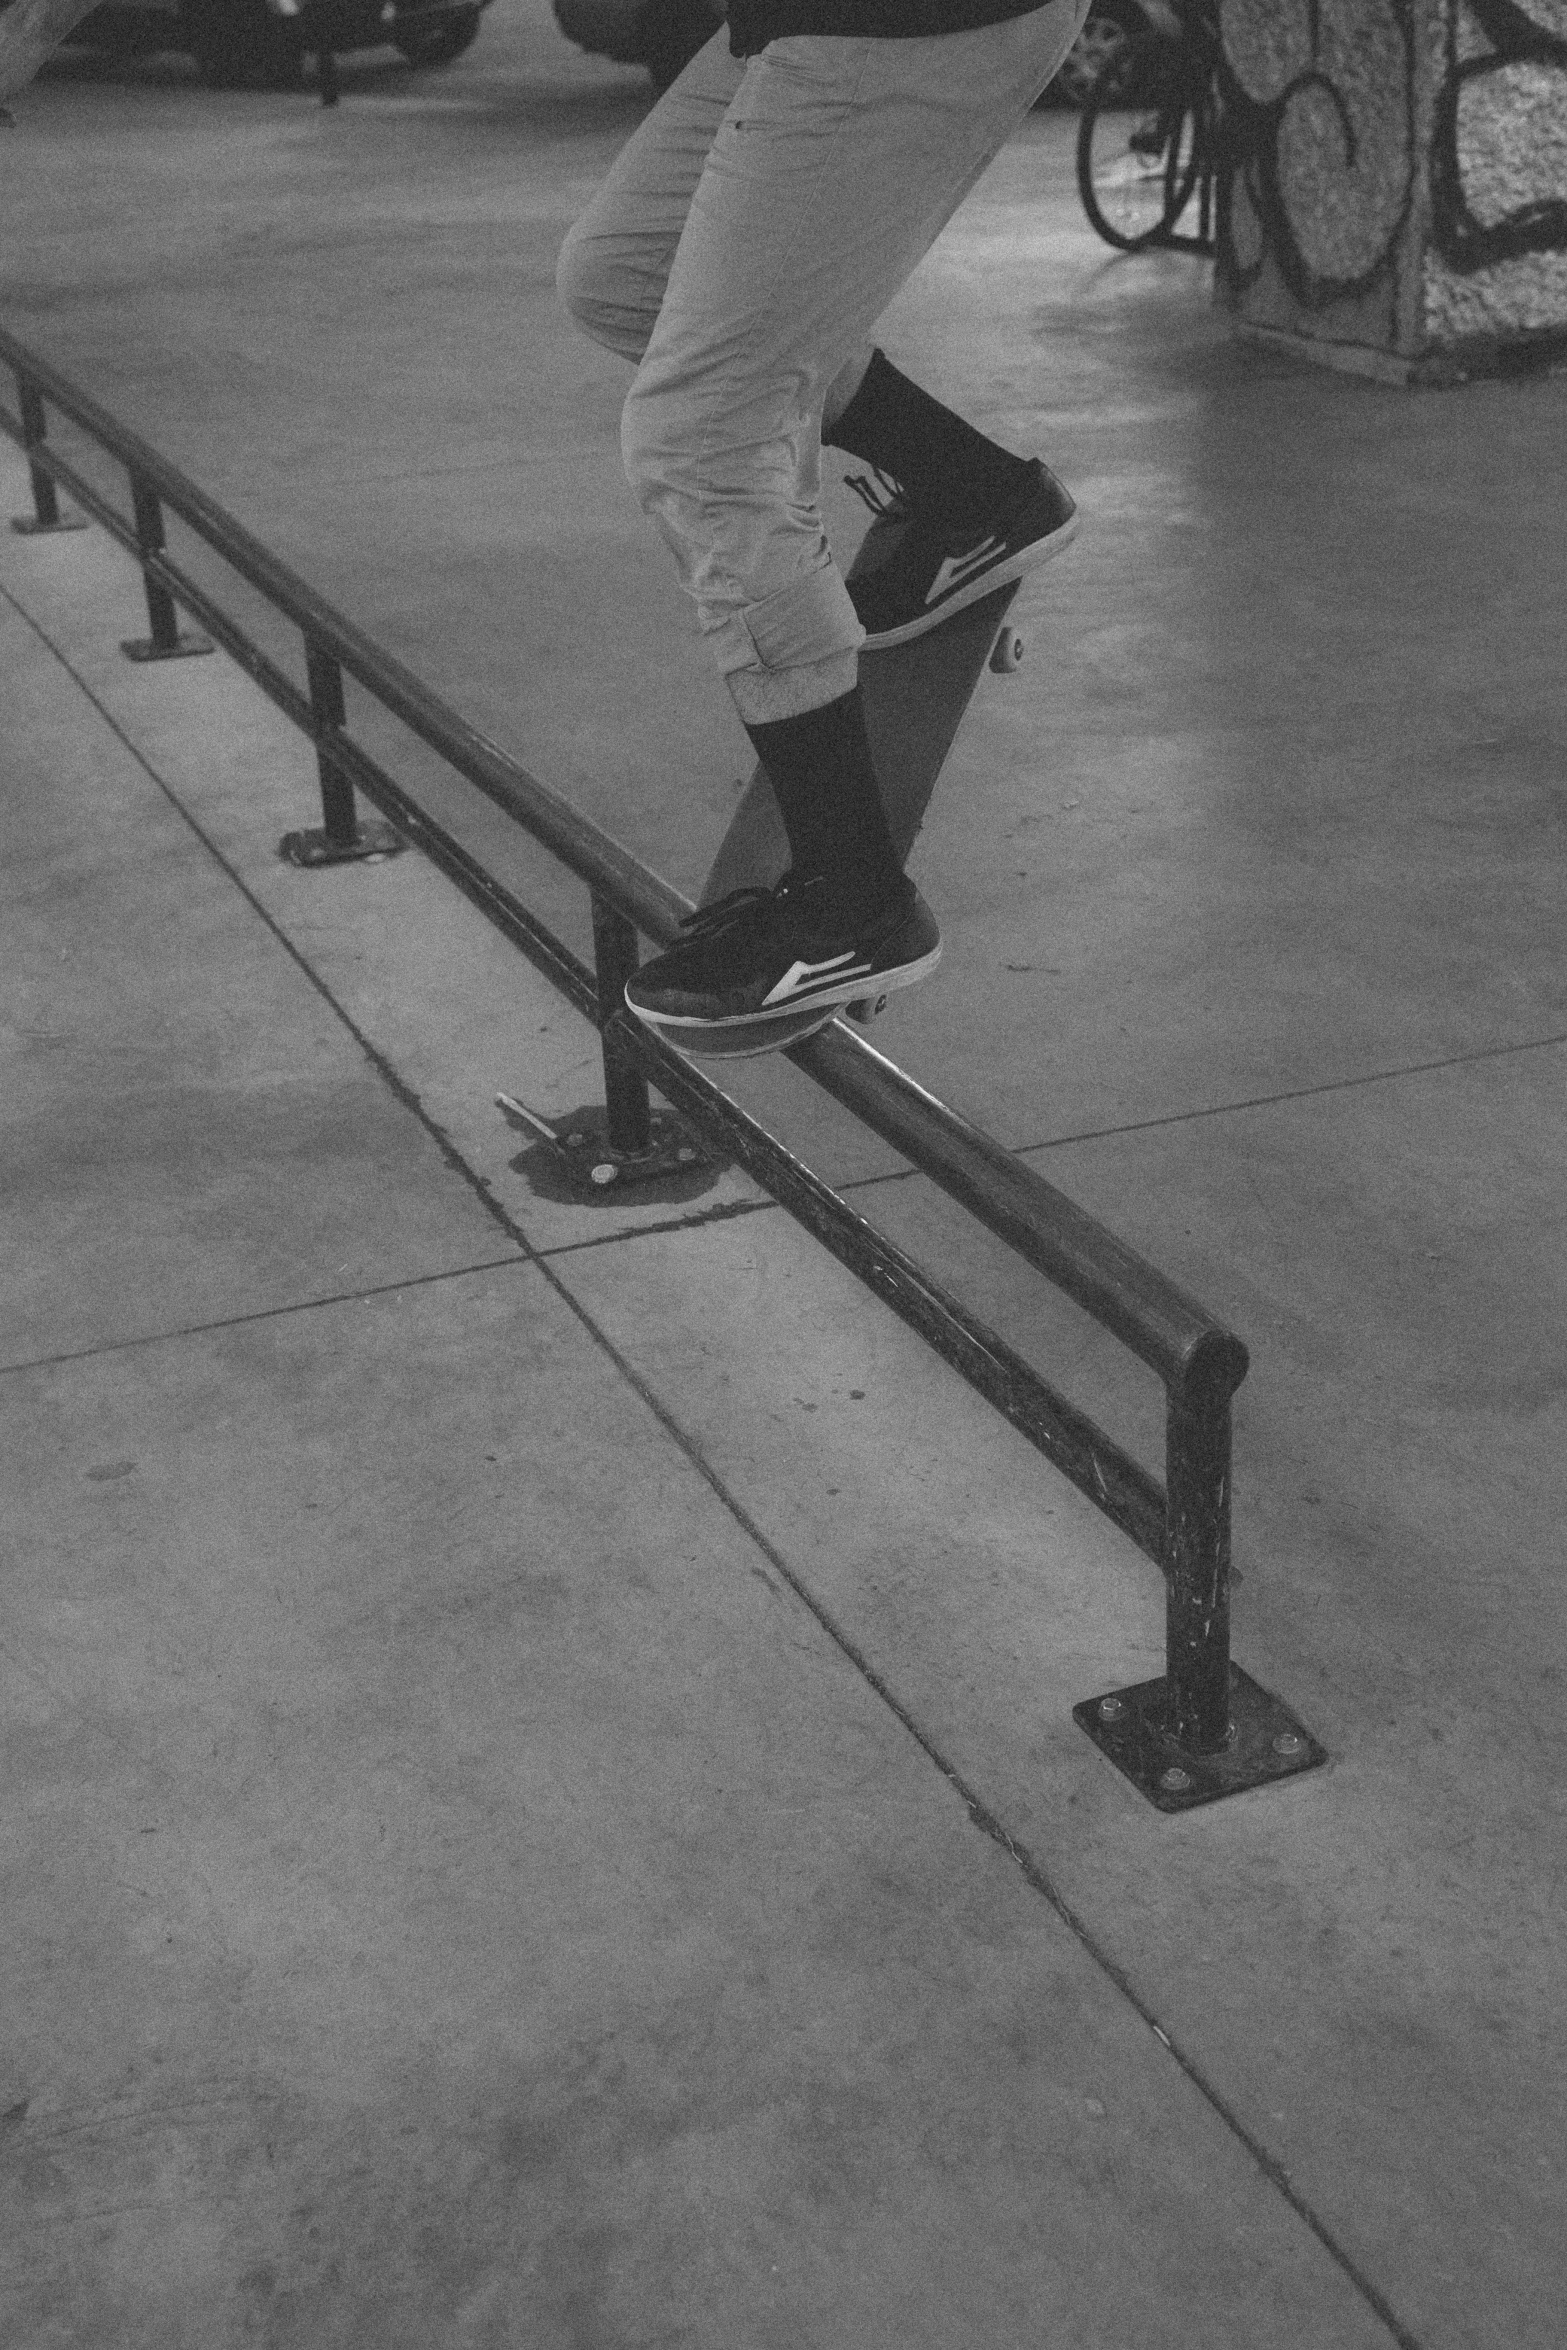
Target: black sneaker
{"x": 909, "y": 577}
{"x": 763, "y": 955}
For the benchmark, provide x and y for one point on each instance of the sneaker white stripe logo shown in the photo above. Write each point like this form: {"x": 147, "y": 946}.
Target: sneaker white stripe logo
{"x": 795, "y": 979}
{"x": 955, "y": 569}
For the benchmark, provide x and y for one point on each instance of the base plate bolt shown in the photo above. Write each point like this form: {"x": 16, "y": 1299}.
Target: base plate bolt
{"x": 1288, "y": 1743}
{"x": 1174, "y": 1781}
{"x": 1111, "y": 1708}
{"x": 604, "y": 1173}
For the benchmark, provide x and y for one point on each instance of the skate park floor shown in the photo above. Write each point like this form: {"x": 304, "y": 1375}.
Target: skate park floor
{"x": 543, "y": 1802}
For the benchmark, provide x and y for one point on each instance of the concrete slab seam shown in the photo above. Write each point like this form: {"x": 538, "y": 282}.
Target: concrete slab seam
{"x": 1268, "y": 1101}
{"x": 1192, "y": 1117}
{"x": 348, "y": 1297}
{"x": 303, "y": 1305}
{"x": 726, "y": 1212}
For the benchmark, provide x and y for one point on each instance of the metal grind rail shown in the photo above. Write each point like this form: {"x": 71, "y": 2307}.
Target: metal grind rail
{"x": 1201, "y": 1731}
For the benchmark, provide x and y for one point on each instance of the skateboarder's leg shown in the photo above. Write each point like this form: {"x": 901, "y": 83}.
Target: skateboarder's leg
{"x": 829, "y": 177}
{"x": 980, "y": 514}
{"x": 943, "y": 465}
{"x": 612, "y": 274}
{"x": 614, "y": 266}
{"x": 614, "y": 263}
{"x": 956, "y": 515}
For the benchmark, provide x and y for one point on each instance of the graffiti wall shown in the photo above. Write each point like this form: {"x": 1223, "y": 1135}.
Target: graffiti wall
{"x": 1498, "y": 181}
{"x": 1402, "y": 184}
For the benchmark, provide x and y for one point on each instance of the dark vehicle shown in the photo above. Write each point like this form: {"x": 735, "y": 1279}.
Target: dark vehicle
{"x": 664, "y": 34}
{"x": 253, "y": 44}
{"x": 1108, "y": 30}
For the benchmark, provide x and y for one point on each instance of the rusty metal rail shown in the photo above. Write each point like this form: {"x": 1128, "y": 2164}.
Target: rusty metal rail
{"x": 1204, "y": 1729}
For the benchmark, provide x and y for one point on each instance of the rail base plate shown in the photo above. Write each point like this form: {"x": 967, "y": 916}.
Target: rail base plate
{"x": 573, "y": 1158}
{"x": 184, "y": 648}
{"x": 1266, "y": 1742}
{"x": 313, "y": 848}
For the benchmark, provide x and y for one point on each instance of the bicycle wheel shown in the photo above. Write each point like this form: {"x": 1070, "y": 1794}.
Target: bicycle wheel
{"x": 1137, "y": 149}
{"x": 1188, "y": 172}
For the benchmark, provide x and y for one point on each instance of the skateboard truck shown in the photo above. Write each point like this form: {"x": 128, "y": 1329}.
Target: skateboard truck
{"x": 579, "y": 1148}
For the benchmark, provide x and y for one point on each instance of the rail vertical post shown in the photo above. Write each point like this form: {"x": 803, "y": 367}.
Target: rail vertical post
{"x": 627, "y": 1142}
{"x": 168, "y": 642}
{"x": 1197, "y": 1565}
{"x": 46, "y": 513}
{"x": 1205, "y": 1729}
{"x": 625, "y": 1088}
{"x": 343, "y": 838}
{"x": 339, "y": 821}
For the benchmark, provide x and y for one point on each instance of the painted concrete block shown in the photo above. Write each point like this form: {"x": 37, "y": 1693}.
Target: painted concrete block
{"x": 1401, "y": 208}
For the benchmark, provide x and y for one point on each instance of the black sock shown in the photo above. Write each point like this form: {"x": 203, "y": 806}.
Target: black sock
{"x": 819, "y": 765}
{"x": 952, "y": 475}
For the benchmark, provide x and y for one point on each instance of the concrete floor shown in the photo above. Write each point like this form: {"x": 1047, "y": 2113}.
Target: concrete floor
{"x": 544, "y": 1803}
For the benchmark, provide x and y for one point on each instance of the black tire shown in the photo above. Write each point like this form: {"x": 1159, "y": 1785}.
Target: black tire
{"x": 1137, "y": 149}
{"x": 676, "y": 30}
{"x": 241, "y": 45}
{"x": 440, "y": 42}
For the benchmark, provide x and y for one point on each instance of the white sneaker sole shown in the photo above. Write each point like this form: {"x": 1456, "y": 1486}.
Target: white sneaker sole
{"x": 974, "y": 591}
{"x": 681, "y": 1028}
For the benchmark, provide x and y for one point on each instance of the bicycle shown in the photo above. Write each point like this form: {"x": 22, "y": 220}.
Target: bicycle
{"x": 1154, "y": 134}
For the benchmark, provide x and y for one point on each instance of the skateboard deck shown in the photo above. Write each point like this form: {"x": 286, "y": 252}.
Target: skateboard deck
{"x": 915, "y": 695}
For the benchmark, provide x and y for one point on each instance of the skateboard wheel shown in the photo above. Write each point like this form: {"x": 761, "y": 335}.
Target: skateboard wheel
{"x": 866, "y": 1010}
{"x": 1006, "y": 654}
